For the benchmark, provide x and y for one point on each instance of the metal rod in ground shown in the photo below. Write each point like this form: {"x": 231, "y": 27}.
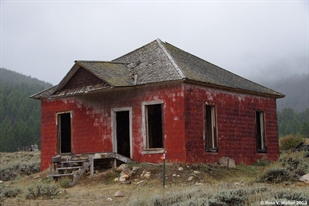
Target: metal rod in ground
{"x": 163, "y": 170}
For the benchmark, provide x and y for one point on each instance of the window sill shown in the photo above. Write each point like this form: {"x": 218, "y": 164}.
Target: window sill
{"x": 211, "y": 150}
{"x": 263, "y": 151}
{"x": 154, "y": 151}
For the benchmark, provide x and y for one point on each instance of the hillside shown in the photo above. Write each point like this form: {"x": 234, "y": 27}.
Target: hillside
{"x": 19, "y": 115}
{"x": 296, "y": 91}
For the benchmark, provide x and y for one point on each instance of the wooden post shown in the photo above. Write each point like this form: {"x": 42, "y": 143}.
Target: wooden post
{"x": 163, "y": 170}
{"x": 91, "y": 165}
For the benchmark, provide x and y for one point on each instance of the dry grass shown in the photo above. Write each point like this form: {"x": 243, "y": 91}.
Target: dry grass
{"x": 214, "y": 185}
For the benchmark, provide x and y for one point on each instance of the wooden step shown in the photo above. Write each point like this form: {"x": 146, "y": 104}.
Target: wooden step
{"x": 68, "y": 168}
{"x": 61, "y": 175}
{"x": 74, "y": 161}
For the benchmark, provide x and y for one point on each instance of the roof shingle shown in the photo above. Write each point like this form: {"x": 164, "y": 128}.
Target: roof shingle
{"x": 158, "y": 62}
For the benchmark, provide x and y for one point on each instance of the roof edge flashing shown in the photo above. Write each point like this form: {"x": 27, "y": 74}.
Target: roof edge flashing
{"x": 170, "y": 58}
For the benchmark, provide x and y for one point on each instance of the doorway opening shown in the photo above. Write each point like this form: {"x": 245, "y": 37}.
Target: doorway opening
{"x": 123, "y": 133}
{"x": 64, "y": 133}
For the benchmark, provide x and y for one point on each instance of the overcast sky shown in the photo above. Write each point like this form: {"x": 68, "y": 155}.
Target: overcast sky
{"x": 254, "y": 39}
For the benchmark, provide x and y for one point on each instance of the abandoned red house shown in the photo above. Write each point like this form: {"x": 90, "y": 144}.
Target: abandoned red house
{"x": 158, "y": 99}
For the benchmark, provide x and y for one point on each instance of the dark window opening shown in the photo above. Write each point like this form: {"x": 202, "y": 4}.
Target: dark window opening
{"x": 211, "y": 129}
{"x": 154, "y": 128}
{"x": 260, "y": 132}
{"x": 123, "y": 133}
{"x": 64, "y": 132}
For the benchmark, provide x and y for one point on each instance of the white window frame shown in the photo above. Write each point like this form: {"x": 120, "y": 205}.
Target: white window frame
{"x": 214, "y": 131}
{"x": 261, "y": 132}
{"x": 146, "y": 148}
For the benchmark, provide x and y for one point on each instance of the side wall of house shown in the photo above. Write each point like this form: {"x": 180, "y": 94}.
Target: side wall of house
{"x": 236, "y": 125}
{"x": 92, "y": 121}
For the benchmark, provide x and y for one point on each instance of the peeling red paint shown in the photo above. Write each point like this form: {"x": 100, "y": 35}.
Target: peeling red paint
{"x": 183, "y": 123}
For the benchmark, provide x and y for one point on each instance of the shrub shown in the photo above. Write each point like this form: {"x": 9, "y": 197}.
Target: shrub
{"x": 288, "y": 168}
{"x": 297, "y": 196}
{"x": 295, "y": 163}
{"x": 229, "y": 197}
{"x": 290, "y": 141}
{"x": 25, "y": 164}
{"x": 277, "y": 175}
{"x": 65, "y": 182}
{"x": 9, "y": 192}
{"x": 28, "y": 168}
{"x": 46, "y": 191}
{"x": 175, "y": 198}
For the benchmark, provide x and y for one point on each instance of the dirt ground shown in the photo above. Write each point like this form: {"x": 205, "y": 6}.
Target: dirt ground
{"x": 100, "y": 188}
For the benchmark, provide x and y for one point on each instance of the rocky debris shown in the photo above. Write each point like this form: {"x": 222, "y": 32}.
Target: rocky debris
{"x": 119, "y": 194}
{"x": 190, "y": 178}
{"x": 175, "y": 175}
{"x": 180, "y": 168}
{"x": 146, "y": 174}
{"x": 197, "y": 172}
{"x": 109, "y": 199}
{"x": 1, "y": 182}
{"x": 227, "y": 162}
{"x": 135, "y": 169}
{"x": 122, "y": 167}
{"x": 122, "y": 179}
{"x": 125, "y": 173}
{"x": 140, "y": 182}
{"x": 304, "y": 178}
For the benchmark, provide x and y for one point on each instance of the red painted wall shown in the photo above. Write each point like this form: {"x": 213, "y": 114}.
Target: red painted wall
{"x": 235, "y": 122}
{"x": 92, "y": 122}
{"x": 183, "y": 118}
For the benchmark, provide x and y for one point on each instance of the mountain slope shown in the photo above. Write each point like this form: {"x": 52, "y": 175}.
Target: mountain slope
{"x": 19, "y": 115}
{"x": 296, "y": 89}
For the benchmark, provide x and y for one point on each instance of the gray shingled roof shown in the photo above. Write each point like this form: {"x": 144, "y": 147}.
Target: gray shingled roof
{"x": 115, "y": 74}
{"x": 159, "y": 62}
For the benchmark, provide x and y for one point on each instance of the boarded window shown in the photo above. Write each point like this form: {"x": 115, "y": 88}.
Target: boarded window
{"x": 211, "y": 138}
{"x": 154, "y": 128}
{"x": 260, "y": 132}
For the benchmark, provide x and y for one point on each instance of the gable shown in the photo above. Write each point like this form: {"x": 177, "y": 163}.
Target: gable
{"x": 82, "y": 78}
{"x": 79, "y": 81}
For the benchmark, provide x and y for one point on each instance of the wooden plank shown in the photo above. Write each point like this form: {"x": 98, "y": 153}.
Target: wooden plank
{"x": 68, "y": 168}
{"x": 74, "y": 161}
{"x": 60, "y": 175}
{"x": 123, "y": 158}
{"x": 81, "y": 171}
{"x": 105, "y": 155}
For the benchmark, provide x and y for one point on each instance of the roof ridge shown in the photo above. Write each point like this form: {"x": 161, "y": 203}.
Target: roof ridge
{"x": 170, "y": 58}
{"x": 98, "y": 61}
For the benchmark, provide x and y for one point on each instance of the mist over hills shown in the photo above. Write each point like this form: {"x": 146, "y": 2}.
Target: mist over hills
{"x": 296, "y": 91}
